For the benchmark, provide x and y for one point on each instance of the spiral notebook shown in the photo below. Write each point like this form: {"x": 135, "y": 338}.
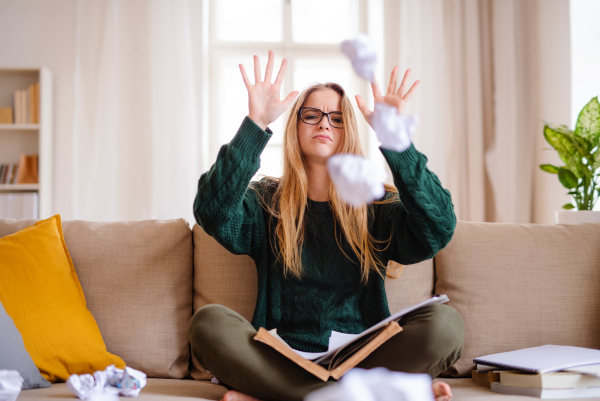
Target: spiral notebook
{"x": 544, "y": 359}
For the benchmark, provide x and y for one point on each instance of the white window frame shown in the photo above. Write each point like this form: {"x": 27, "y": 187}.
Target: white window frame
{"x": 284, "y": 49}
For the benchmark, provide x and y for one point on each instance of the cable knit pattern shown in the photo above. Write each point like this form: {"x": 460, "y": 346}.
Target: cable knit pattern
{"x": 329, "y": 296}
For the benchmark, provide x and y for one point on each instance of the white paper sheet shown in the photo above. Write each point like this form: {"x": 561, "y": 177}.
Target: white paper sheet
{"x": 108, "y": 384}
{"x": 342, "y": 339}
{"x": 362, "y": 55}
{"x": 393, "y": 130}
{"x": 357, "y": 180}
{"x": 10, "y": 385}
{"x": 377, "y": 384}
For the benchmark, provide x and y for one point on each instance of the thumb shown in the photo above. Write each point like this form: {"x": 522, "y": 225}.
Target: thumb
{"x": 363, "y": 107}
{"x": 290, "y": 98}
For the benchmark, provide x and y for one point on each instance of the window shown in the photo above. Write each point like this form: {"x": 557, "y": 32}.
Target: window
{"x": 306, "y": 32}
{"x": 585, "y": 56}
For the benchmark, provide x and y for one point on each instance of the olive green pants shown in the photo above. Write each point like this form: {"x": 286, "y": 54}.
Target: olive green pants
{"x": 222, "y": 340}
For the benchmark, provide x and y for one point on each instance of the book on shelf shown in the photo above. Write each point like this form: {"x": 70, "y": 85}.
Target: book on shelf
{"x": 25, "y": 106}
{"x": 6, "y": 115}
{"x": 8, "y": 173}
{"x": 20, "y": 205}
{"x": 345, "y": 351}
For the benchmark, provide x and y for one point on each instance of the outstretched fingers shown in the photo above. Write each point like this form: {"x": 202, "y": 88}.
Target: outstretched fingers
{"x": 392, "y": 86}
{"x": 411, "y": 91}
{"x": 256, "y": 70}
{"x": 375, "y": 88}
{"x": 289, "y": 99}
{"x": 281, "y": 73}
{"x": 362, "y": 106}
{"x": 403, "y": 84}
{"x": 269, "y": 70}
{"x": 245, "y": 77}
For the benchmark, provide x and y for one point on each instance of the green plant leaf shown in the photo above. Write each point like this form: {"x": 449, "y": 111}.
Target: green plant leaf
{"x": 588, "y": 122}
{"x": 567, "y": 178}
{"x": 549, "y": 168}
{"x": 568, "y": 206}
{"x": 566, "y": 150}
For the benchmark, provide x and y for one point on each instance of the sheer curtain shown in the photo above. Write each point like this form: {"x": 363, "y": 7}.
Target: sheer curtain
{"x": 485, "y": 71}
{"x": 137, "y": 117}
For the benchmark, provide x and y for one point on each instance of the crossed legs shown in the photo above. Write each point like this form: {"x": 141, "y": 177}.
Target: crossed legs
{"x": 222, "y": 341}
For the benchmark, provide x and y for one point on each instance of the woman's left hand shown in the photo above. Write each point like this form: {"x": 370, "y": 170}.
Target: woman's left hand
{"x": 397, "y": 98}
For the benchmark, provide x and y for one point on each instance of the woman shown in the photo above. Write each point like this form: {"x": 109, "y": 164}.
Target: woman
{"x": 320, "y": 263}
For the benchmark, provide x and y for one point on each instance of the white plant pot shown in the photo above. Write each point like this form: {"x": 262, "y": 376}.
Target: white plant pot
{"x": 577, "y": 216}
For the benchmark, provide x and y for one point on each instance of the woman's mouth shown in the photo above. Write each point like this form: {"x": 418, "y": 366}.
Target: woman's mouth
{"x": 323, "y": 137}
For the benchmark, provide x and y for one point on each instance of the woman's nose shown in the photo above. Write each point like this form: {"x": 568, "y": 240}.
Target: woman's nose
{"x": 324, "y": 123}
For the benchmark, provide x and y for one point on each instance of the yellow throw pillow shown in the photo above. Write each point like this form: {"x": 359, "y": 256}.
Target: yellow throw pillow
{"x": 41, "y": 292}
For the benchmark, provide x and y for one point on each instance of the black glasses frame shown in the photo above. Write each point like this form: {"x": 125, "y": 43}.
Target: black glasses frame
{"x": 322, "y": 114}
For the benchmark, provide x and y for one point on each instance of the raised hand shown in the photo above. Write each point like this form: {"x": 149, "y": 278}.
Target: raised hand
{"x": 263, "y": 97}
{"x": 397, "y": 98}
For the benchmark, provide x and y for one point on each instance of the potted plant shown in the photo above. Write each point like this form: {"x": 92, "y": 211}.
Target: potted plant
{"x": 579, "y": 150}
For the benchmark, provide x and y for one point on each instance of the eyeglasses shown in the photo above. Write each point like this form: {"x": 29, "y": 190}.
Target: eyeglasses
{"x": 314, "y": 116}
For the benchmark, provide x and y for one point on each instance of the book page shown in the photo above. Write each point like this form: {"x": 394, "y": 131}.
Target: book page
{"x": 438, "y": 299}
{"x": 339, "y": 340}
{"x": 311, "y": 356}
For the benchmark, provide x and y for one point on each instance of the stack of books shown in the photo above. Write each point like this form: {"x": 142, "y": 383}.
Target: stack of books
{"x": 25, "y": 107}
{"x": 549, "y": 371}
{"x": 8, "y": 173}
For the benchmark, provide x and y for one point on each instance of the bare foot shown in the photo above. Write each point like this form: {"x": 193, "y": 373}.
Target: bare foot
{"x": 233, "y": 395}
{"x": 441, "y": 391}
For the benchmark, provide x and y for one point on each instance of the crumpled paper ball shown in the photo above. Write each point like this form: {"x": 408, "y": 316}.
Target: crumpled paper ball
{"x": 379, "y": 384}
{"x": 393, "y": 130}
{"x": 107, "y": 385}
{"x": 356, "y": 179}
{"x": 362, "y": 55}
{"x": 10, "y": 385}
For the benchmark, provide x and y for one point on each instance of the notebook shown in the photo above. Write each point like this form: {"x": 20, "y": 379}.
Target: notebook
{"x": 544, "y": 359}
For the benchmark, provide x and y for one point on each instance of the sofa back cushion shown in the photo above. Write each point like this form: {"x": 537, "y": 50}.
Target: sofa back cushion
{"x": 522, "y": 285}
{"x": 137, "y": 281}
{"x": 224, "y": 278}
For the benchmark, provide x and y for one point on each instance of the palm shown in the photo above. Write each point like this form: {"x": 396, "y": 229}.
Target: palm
{"x": 264, "y": 103}
{"x": 397, "y": 98}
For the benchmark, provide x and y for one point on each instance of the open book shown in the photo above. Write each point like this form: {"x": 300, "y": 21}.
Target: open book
{"x": 345, "y": 351}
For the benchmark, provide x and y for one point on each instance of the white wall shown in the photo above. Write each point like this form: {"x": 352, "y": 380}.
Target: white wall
{"x": 36, "y": 33}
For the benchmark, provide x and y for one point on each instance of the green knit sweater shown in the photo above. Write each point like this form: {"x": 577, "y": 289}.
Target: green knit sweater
{"x": 329, "y": 296}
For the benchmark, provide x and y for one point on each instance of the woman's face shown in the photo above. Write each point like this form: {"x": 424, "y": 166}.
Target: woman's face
{"x": 320, "y": 141}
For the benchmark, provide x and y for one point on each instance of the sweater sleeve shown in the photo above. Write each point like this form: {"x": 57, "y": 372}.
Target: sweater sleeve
{"x": 225, "y": 207}
{"x": 423, "y": 221}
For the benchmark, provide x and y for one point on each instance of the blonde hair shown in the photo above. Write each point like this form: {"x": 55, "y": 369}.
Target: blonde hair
{"x": 290, "y": 198}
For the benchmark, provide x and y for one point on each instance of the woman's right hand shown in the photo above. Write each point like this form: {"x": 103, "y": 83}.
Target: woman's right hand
{"x": 263, "y": 97}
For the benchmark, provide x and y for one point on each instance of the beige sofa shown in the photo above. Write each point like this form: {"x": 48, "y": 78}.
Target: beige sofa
{"x": 515, "y": 286}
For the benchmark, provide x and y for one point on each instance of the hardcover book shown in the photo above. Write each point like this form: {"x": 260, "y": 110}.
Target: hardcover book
{"x": 345, "y": 350}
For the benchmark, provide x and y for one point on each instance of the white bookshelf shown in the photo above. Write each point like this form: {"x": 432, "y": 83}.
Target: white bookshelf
{"x": 16, "y": 139}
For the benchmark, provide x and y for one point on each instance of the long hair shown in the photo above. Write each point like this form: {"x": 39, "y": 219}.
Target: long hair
{"x": 290, "y": 198}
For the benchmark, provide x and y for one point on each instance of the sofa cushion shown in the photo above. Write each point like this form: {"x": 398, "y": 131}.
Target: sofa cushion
{"x": 414, "y": 285}
{"x": 522, "y": 285}
{"x": 14, "y": 356}
{"x": 40, "y": 290}
{"x": 221, "y": 277}
{"x": 137, "y": 280}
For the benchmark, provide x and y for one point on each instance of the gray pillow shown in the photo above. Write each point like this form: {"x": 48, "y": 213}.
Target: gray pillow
{"x": 14, "y": 356}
